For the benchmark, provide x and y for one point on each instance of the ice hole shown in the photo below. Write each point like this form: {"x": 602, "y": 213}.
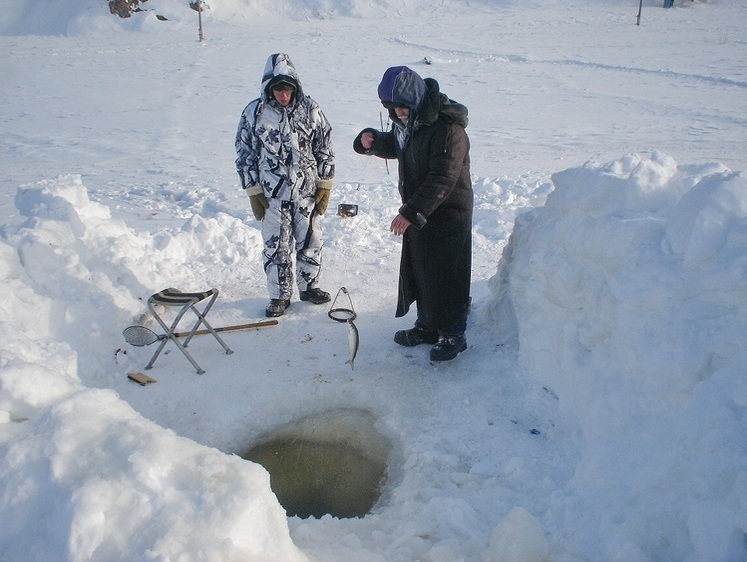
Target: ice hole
{"x": 334, "y": 462}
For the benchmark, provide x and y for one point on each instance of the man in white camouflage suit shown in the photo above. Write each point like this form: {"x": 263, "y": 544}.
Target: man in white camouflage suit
{"x": 286, "y": 165}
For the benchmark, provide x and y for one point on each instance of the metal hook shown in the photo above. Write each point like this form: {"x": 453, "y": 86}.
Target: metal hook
{"x": 342, "y": 314}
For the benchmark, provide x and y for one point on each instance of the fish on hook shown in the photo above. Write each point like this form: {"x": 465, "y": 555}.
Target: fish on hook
{"x": 353, "y": 341}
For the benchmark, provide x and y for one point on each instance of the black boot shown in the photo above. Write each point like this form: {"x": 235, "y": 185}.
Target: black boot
{"x": 315, "y": 296}
{"x": 277, "y": 307}
{"x": 415, "y": 336}
{"x": 448, "y": 347}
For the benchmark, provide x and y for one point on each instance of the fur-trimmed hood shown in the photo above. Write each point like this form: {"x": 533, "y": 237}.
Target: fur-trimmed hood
{"x": 436, "y": 104}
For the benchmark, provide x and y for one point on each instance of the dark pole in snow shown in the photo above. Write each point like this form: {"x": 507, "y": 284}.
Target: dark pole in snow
{"x": 199, "y": 19}
{"x": 640, "y": 6}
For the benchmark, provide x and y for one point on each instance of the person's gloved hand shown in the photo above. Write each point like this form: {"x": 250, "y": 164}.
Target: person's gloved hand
{"x": 323, "y": 187}
{"x": 258, "y": 201}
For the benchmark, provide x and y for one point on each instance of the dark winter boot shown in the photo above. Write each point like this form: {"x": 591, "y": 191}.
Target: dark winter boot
{"x": 315, "y": 296}
{"x": 277, "y": 307}
{"x": 448, "y": 347}
{"x": 415, "y": 336}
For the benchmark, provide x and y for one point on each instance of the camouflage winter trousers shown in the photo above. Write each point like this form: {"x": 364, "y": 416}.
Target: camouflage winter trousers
{"x": 289, "y": 228}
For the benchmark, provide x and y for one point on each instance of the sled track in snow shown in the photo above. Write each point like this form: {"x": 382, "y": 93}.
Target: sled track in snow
{"x": 503, "y": 57}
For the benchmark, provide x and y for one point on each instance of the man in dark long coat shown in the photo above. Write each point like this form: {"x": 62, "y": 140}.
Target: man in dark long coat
{"x": 429, "y": 141}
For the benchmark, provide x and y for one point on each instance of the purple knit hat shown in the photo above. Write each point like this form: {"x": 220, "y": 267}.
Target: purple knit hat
{"x": 402, "y": 86}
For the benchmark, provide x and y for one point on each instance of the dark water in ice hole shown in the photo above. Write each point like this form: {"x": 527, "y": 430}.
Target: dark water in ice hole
{"x": 332, "y": 463}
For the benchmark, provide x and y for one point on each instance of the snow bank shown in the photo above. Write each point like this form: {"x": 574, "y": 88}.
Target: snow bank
{"x": 105, "y": 484}
{"x": 101, "y": 481}
{"x": 628, "y": 289}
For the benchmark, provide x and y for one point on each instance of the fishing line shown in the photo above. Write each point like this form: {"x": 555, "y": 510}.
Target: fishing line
{"x": 381, "y": 120}
{"x": 347, "y": 315}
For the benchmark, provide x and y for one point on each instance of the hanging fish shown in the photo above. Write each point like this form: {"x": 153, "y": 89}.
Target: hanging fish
{"x": 353, "y": 341}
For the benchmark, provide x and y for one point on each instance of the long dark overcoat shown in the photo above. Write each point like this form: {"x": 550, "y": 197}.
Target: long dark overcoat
{"x": 436, "y": 191}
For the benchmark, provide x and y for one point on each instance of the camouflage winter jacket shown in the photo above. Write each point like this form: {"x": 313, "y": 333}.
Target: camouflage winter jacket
{"x": 285, "y": 150}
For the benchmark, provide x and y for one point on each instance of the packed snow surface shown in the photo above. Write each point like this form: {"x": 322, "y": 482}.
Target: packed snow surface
{"x": 600, "y": 411}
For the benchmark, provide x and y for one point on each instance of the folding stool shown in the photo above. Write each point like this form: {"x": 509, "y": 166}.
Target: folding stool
{"x": 172, "y": 298}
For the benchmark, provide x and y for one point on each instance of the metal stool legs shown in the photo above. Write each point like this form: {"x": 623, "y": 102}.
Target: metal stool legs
{"x": 187, "y": 301}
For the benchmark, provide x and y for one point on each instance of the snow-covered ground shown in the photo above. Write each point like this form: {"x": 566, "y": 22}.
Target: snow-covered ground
{"x": 600, "y": 411}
